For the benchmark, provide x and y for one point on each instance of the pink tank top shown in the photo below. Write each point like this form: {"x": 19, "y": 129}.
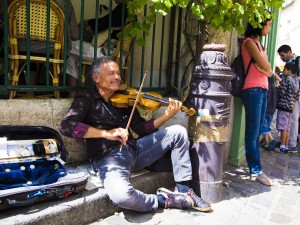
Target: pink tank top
{"x": 254, "y": 78}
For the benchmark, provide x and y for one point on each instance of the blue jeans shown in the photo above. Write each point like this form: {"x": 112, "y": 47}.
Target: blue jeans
{"x": 114, "y": 169}
{"x": 266, "y": 127}
{"x": 255, "y": 103}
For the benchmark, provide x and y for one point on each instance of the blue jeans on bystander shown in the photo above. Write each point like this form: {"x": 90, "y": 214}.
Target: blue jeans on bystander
{"x": 266, "y": 127}
{"x": 255, "y": 103}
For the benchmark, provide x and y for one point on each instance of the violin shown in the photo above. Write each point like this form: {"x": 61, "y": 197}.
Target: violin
{"x": 148, "y": 101}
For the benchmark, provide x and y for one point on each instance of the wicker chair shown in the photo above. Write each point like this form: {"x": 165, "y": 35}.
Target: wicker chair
{"x": 38, "y": 32}
{"x": 125, "y": 46}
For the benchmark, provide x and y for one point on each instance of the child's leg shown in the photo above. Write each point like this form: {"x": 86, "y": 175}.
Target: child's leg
{"x": 264, "y": 140}
{"x": 287, "y": 138}
{"x": 267, "y": 138}
{"x": 270, "y": 119}
{"x": 265, "y": 129}
{"x": 288, "y": 131}
{"x": 283, "y": 121}
{"x": 284, "y": 136}
{"x": 270, "y": 136}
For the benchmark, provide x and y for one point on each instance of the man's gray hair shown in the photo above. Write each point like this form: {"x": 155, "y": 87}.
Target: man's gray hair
{"x": 96, "y": 66}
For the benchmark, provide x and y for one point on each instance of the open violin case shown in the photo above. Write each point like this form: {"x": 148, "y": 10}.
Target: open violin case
{"x": 32, "y": 167}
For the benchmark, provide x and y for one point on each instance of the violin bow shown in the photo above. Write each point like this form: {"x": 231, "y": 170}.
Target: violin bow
{"x": 135, "y": 103}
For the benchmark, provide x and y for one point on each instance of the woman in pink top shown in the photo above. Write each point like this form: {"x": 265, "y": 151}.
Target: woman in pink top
{"x": 254, "y": 95}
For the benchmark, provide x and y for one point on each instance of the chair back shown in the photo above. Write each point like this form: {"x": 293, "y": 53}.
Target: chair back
{"x": 125, "y": 46}
{"x": 38, "y": 21}
{"x": 38, "y": 31}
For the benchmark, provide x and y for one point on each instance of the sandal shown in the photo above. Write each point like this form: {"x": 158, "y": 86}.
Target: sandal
{"x": 253, "y": 176}
{"x": 264, "y": 179}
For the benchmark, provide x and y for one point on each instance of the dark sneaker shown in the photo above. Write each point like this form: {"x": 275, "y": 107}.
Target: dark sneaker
{"x": 281, "y": 150}
{"x": 175, "y": 200}
{"x": 266, "y": 147}
{"x": 199, "y": 203}
{"x": 273, "y": 144}
{"x": 292, "y": 149}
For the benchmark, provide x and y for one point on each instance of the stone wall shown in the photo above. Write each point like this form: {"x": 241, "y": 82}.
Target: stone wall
{"x": 41, "y": 112}
{"x": 49, "y": 112}
{"x": 46, "y": 112}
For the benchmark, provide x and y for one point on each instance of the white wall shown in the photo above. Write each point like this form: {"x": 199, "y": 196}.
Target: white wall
{"x": 289, "y": 29}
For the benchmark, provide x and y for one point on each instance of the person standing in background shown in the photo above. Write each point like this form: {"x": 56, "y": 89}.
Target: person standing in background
{"x": 287, "y": 56}
{"x": 288, "y": 95}
{"x": 271, "y": 108}
{"x": 254, "y": 96}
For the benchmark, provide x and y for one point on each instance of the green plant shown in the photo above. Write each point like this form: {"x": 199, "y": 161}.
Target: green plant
{"x": 225, "y": 14}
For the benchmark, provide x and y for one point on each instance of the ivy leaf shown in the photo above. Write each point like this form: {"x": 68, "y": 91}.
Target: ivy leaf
{"x": 141, "y": 41}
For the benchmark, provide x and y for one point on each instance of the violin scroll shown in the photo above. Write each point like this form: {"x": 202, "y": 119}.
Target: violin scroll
{"x": 188, "y": 111}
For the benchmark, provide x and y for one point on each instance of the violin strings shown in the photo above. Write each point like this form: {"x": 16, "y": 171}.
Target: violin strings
{"x": 135, "y": 103}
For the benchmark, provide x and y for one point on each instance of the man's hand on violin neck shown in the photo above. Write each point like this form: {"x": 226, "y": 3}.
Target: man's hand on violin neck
{"x": 119, "y": 134}
{"x": 173, "y": 108}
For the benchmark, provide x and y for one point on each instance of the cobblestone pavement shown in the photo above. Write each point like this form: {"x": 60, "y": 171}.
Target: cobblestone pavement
{"x": 244, "y": 201}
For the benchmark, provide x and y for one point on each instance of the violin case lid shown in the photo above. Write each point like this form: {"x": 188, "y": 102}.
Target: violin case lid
{"x": 32, "y": 167}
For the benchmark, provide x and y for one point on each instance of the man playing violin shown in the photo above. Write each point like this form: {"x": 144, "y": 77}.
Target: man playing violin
{"x": 102, "y": 126}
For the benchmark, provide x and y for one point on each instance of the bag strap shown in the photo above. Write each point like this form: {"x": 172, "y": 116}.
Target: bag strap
{"x": 248, "y": 67}
{"x": 251, "y": 60}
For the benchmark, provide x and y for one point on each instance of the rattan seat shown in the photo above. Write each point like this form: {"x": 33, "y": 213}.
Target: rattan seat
{"x": 38, "y": 32}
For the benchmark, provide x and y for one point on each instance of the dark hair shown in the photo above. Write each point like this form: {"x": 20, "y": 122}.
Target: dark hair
{"x": 292, "y": 67}
{"x": 277, "y": 70}
{"x": 284, "y": 48}
{"x": 255, "y": 31}
{"x": 95, "y": 68}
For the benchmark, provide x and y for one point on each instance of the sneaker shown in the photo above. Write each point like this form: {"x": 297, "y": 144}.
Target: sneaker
{"x": 176, "y": 200}
{"x": 292, "y": 149}
{"x": 273, "y": 145}
{"x": 265, "y": 147}
{"x": 281, "y": 150}
{"x": 199, "y": 204}
{"x": 284, "y": 150}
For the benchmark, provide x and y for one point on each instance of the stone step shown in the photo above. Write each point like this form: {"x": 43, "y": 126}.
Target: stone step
{"x": 84, "y": 208}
